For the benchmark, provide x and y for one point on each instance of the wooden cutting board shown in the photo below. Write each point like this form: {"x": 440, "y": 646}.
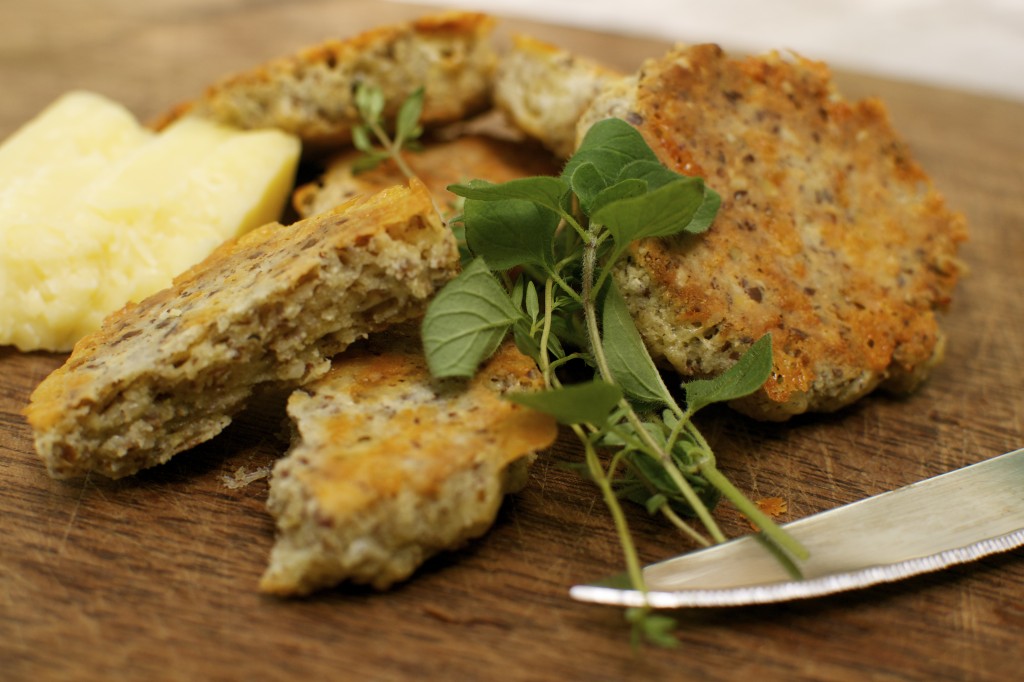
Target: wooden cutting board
{"x": 154, "y": 577}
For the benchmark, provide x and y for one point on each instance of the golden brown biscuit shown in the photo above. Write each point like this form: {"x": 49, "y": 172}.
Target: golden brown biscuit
{"x": 266, "y": 310}
{"x": 438, "y": 165}
{"x": 830, "y": 236}
{"x": 390, "y": 466}
{"x": 311, "y": 93}
{"x": 543, "y": 89}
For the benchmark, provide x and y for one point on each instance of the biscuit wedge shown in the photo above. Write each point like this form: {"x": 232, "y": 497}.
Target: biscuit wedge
{"x": 266, "y": 310}
{"x": 311, "y": 93}
{"x": 389, "y": 466}
{"x": 830, "y": 236}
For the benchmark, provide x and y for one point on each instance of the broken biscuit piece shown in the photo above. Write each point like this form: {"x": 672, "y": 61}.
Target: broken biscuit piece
{"x": 438, "y": 164}
{"x": 544, "y": 89}
{"x": 390, "y": 466}
{"x": 312, "y": 93}
{"x": 266, "y": 310}
{"x": 830, "y": 236}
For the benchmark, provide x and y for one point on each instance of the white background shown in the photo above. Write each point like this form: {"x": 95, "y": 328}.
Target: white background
{"x": 974, "y": 45}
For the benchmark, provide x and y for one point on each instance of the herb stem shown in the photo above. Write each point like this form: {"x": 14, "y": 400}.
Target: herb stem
{"x": 633, "y": 567}
{"x": 393, "y": 149}
{"x": 752, "y": 512}
{"x": 683, "y": 526}
{"x": 593, "y": 331}
{"x": 545, "y": 334}
{"x": 564, "y": 286}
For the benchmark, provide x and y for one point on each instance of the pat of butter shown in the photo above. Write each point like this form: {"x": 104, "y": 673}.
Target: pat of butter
{"x": 97, "y": 211}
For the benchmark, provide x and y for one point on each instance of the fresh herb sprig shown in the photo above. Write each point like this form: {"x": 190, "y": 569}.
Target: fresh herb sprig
{"x": 543, "y": 254}
{"x": 371, "y": 136}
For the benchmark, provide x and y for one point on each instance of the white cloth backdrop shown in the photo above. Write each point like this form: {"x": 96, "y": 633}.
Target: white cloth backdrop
{"x": 975, "y": 45}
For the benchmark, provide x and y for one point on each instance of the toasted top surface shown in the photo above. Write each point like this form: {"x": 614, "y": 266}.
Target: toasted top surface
{"x": 253, "y": 272}
{"x": 830, "y": 236}
{"x": 438, "y": 165}
{"x": 311, "y": 93}
{"x": 377, "y": 424}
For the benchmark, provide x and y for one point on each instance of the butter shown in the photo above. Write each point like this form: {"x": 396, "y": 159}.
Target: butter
{"x": 97, "y": 211}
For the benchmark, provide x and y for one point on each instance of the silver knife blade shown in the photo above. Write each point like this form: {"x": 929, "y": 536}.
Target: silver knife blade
{"x": 926, "y": 526}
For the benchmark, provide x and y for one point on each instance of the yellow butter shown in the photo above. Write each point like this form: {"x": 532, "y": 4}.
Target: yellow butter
{"x": 97, "y": 211}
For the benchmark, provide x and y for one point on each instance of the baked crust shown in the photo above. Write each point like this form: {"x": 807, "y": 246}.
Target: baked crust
{"x": 311, "y": 93}
{"x": 438, "y": 165}
{"x": 265, "y": 310}
{"x": 830, "y": 236}
{"x": 389, "y": 466}
{"x": 543, "y": 89}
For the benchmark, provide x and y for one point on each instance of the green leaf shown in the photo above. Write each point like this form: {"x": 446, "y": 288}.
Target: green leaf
{"x": 510, "y": 232}
{"x": 586, "y": 182}
{"x": 466, "y": 322}
{"x": 368, "y": 162}
{"x": 623, "y": 189}
{"x": 742, "y": 379}
{"x": 661, "y": 213}
{"x": 369, "y": 100}
{"x": 655, "y": 502}
{"x": 586, "y": 403}
{"x": 630, "y": 363}
{"x": 654, "y": 173}
{"x": 361, "y": 139}
{"x": 407, "y": 122}
{"x": 609, "y": 145}
{"x": 543, "y": 190}
{"x": 525, "y": 341}
{"x": 655, "y": 628}
{"x": 646, "y": 478}
{"x": 532, "y": 300}
{"x": 705, "y": 215}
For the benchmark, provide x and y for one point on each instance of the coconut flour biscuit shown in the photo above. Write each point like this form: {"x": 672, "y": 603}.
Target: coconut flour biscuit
{"x": 438, "y": 165}
{"x": 389, "y": 466}
{"x": 830, "y": 236}
{"x": 311, "y": 93}
{"x": 268, "y": 309}
{"x": 543, "y": 89}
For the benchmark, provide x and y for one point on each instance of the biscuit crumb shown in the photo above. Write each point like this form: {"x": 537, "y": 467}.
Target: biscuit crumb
{"x": 242, "y": 477}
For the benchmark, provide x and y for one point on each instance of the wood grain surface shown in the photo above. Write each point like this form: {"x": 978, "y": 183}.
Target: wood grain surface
{"x": 155, "y": 577}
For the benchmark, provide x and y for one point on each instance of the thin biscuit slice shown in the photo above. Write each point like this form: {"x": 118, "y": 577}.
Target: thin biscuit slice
{"x": 390, "y": 466}
{"x": 438, "y": 165}
{"x": 543, "y": 89}
{"x": 266, "y": 310}
{"x": 311, "y": 93}
{"x": 830, "y": 236}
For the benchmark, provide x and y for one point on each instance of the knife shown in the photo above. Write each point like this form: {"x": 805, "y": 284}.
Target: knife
{"x": 926, "y": 526}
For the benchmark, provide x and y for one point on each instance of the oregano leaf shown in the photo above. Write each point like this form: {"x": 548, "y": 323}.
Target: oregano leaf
{"x": 466, "y": 322}
{"x": 407, "y": 123}
{"x": 609, "y": 145}
{"x": 742, "y": 379}
{"x": 623, "y": 189}
{"x": 628, "y": 360}
{"x": 368, "y": 161}
{"x": 510, "y": 232}
{"x": 361, "y": 139}
{"x": 532, "y": 302}
{"x": 543, "y": 190}
{"x": 525, "y": 341}
{"x": 584, "y": 403}
{"x": 369, "y": 101}
{"x": 586, "y": 183}
{"x": 660, "y": 213}
{"x": 654, "y": 173}
{"x": 705, "y": 214}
